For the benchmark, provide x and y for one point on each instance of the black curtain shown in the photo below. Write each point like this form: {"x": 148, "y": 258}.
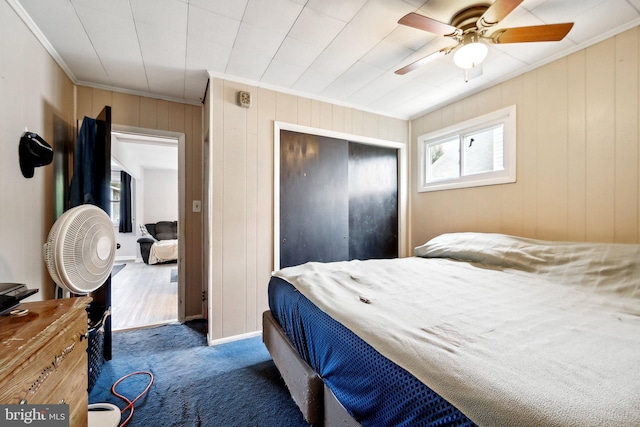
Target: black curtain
{"x": 125, "y": 203}
{"x": 86, "y": 183}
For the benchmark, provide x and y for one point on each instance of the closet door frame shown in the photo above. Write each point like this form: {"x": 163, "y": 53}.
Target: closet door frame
{"x": 402, "y": 179}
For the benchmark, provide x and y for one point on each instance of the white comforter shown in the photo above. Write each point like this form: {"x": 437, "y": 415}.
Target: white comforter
{"x": 163, "y": 251}
{"x": 529, "y": 333}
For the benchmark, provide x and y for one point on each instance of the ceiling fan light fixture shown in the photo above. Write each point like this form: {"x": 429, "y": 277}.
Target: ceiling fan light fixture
{"x": 471, "y": 53}
{"x": 468, "y": 28}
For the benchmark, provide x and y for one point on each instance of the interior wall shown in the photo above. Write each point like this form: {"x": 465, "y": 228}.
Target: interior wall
{"x": 242, "y": 190}
{"x": 577, "y": 153}
{"x": 36, "y": 94}
{"x": 149, "y": 113}
{"x": 160, "y": 196}
{"x": 129, "y": 248}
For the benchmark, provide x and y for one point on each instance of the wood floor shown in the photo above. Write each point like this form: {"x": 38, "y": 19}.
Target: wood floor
{"x": 143, "y": 295}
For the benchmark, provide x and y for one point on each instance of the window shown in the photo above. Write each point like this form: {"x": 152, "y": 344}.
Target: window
{"x": 480, "y": 151}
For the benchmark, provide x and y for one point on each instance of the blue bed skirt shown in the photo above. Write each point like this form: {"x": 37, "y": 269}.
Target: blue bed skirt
{"x": 374, "y": 390}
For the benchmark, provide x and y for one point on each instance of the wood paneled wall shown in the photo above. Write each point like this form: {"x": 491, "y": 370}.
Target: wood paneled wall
{"x": 577, "y": 153}
{"x": 242, "y": 190}
{"x": 35, "y": 94}
{"x": 148, "y": 113}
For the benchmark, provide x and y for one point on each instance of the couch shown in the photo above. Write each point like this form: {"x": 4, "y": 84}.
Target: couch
{"x": 154, "y": 232}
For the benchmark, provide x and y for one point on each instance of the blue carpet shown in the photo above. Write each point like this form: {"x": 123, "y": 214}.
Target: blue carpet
{"x": 233, "y": 384}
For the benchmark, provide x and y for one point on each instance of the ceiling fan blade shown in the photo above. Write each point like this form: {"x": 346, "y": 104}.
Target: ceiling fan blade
{"x": 420, "y": 62}
{"x": 427, "y": 24}
{"x": 497, "y": 12}
{"x": 538, "y": 33}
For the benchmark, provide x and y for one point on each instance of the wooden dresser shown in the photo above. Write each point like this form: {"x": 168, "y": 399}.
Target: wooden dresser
{"x": 43, "y": 356}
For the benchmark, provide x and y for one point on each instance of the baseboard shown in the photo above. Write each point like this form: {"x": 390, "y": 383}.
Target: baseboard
{"x": 125, "y": 258}
{"x": 235, "y": 338}
{"x": 193, "y": 317}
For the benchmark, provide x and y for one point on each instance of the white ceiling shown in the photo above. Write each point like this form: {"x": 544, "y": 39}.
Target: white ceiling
{"x": 135, "y": 152}
{"x": 341, "y": 51}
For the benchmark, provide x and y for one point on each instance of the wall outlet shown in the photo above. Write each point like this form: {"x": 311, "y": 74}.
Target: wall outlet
{"x": 197, "y": 206}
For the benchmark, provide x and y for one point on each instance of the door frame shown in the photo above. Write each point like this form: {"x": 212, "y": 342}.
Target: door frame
{"x": 402, "y": 178}
{"x": 182, "y": 235}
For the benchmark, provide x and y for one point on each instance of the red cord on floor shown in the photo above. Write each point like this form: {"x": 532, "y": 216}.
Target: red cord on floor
{"x": 130, "y": 403}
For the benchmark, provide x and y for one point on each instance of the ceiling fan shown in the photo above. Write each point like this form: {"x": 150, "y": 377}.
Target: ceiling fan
{"x": 469, "y": 29}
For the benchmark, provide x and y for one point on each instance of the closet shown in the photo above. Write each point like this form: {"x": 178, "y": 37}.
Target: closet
{"x": 338, "y": 199}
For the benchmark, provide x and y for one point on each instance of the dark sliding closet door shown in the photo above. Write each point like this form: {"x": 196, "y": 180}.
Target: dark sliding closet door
{"x": 373, "y": 202}
{"x": 338, "y": 200}
{"x": 314, "y": 202}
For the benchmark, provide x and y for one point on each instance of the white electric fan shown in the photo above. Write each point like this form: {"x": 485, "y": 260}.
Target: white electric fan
{"x": 79, "y": 254}
{"x": 81, "y": 249}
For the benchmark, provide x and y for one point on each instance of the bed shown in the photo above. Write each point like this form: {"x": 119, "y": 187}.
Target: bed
{"x": 475, "y": 329}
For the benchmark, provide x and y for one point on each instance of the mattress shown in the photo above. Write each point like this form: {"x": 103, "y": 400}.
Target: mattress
{"x": 374, "y": 390}
{"x": 511, "y": 331}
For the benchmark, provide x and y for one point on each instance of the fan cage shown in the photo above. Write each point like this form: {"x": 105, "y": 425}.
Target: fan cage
{"x": 80, "y": 249}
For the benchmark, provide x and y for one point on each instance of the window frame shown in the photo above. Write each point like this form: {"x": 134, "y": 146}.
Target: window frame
{"x": 506, "y": 117}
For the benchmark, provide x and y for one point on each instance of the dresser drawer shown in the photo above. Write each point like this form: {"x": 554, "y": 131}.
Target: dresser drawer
{"x": 45, "y": 370}
{"x": 73, "y": 391}
{"x": 49, "y": 367}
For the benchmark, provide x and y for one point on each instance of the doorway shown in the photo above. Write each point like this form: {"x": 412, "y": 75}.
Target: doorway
{"x": 145, "y": 292}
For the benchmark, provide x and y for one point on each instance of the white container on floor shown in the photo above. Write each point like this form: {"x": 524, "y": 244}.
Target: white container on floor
{"x": 104, "y": 415}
